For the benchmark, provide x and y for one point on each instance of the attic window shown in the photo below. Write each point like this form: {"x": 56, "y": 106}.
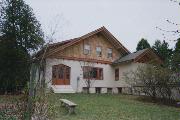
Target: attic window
{"x": 99, "y": 51}
{"x": 87, "y": 49}
{"x": 109, "y": 53}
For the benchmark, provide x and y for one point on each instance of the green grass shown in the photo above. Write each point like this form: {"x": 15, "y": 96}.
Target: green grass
{"x": 111, "y": 107}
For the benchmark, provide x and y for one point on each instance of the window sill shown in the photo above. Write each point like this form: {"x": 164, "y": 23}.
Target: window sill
{"x": 92, "y": 79}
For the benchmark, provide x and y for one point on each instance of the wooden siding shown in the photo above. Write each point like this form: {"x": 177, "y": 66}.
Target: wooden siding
{"x": 77, "y": 50}
{"x": 149, "y": 57}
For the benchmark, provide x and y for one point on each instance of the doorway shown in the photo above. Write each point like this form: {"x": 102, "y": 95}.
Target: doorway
{"x": 61, "y": 74}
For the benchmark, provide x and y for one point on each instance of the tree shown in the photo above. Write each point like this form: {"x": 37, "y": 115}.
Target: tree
{"x": 19, "y": 22}
{"x": 21, "y": 34}
{"x": 162, "y": 49}
{"x": 154, "y": 81}
{"x": 174, "y": 32}
{"x": 13, "y": 67}
{"x": 88, "y": 74}
{"x": 176, "y": 57}
{"x": 143, "y": 43}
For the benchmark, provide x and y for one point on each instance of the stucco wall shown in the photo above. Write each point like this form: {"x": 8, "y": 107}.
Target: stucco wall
{"x": 76, "y": 72}
{"x": 125, "y": 68}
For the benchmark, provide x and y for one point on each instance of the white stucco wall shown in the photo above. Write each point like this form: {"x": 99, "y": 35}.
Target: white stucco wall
{"x": 76, "y": 72}
{"x": 124, "y": 68}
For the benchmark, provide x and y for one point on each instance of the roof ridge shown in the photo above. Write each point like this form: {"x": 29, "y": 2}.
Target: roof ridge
{"x": 103, "y": 30}
{"x": 81, "y": 37}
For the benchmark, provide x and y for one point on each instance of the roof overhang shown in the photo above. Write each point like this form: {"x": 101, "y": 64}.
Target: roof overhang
{"x": 56, "y": 47}
{"x": 147, "y": 56}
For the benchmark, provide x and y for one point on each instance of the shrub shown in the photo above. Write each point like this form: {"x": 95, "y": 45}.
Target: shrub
{"x": 154, "y": 81}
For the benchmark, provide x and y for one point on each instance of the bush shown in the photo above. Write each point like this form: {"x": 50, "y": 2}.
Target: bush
{"x": 154, "y": 81}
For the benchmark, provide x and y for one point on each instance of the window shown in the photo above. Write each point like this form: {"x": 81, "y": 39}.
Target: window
{"x": 54, "y": 72}
{"x": 67, "y": 73}
{"x": 85, "y": 90}
{"x": 86, "y": 72}
{"x": 92, "y": 73}
{"x": 109, "y": 90}
{"x": 117, "y": 74}
{"x": 99, "y": 51}
{"x": 120, "y": 90}
{"x": 98, "y": 90}
{"x": 100, "y": 73}
{"x": 87, "y": 49}
{"x": 61, "y": 73}
{"x": 109, "y": 53}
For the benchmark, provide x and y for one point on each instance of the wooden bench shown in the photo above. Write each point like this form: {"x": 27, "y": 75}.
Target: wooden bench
{"x": 70, "y": 105}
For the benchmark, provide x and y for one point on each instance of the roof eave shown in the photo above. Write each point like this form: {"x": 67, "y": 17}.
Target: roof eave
{"x": 103, "y": 30}
{"x": 123, "y": 62}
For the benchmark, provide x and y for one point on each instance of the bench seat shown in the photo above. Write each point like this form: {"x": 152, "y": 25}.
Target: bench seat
{"x": 69, "y": 104}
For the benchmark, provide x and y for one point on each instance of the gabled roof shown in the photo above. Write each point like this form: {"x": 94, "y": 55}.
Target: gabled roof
{"x": 136, "y": 56}
{"x": 130, "y": 57}
{"x": 56, "y": 47}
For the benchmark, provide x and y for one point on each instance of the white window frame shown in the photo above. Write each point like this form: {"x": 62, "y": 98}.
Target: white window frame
{"x": 87, "y": 49}
{"x": 99, "y": 51}
{"x": 109, "y": 51}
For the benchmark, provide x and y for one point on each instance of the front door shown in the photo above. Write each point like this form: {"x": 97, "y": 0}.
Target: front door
{"x": 61, "y": 75}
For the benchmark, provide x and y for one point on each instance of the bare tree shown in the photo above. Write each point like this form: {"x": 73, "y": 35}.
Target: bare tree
{"x": 37, "y": 88}
{"x": 175, "y": 32}
{"x": 88, "y": 74}
{"x": 154, "y": 81}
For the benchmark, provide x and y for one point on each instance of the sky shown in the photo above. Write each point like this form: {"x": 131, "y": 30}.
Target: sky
{"x": 127, "y": 20}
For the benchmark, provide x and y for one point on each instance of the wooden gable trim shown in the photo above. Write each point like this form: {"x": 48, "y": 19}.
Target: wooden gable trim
{"x": 84, "y": 59}
{"x": 150, "y": 52}
{"x": 102, "y": 29}
{"x": 109, "y": 34}
{"x": 61, "y": 48}
{"x": 141, "y": 55}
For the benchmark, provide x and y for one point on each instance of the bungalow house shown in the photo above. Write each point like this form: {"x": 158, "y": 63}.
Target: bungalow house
{"x": 67, "y": 62}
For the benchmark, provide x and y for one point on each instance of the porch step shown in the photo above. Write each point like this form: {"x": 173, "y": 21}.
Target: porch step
{"x": 62, "y": 89}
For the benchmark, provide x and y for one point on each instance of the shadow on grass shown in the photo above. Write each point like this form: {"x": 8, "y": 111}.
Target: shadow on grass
{"x": 158, "y": 101}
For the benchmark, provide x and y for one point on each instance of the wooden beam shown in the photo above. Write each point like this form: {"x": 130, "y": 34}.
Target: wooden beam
{"x": 83, "y": 59}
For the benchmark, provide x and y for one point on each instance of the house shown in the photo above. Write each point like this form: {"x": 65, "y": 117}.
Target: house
{"x": 67, "y": 63}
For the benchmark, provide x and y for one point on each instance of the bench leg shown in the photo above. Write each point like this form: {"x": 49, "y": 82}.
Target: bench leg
{"x": 71, "y": 110}
{"x": 62, "y": 104}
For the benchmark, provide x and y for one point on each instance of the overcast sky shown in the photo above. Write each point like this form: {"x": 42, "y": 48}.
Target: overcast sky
{"x": 127, "y": 20}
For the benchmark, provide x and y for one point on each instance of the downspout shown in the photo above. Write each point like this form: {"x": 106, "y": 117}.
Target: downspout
{"x": 78, "y": 78}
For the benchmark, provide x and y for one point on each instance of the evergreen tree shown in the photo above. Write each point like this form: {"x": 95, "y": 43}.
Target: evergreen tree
{"x": 176, "y": 57}
{"x": 162, "y": 49}
{"x": 143, "y": 43}
{"x": 17, "y": 21}
{"x": 21, "y": 34}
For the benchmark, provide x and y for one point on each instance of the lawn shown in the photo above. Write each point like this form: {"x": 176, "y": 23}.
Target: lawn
{"x": 111, "y": 107}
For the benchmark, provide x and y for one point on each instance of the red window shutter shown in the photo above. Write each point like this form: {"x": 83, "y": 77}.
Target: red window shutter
{"x": 117, "y": 74}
